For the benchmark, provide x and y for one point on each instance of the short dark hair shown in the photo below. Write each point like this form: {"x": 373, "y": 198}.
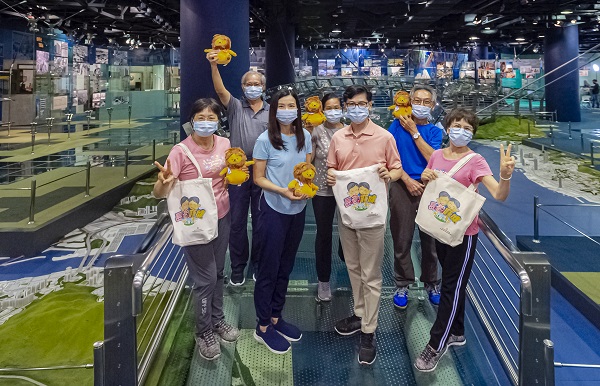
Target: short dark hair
{"x": 594, "y": 80}
{"x": 462, "y": 113}
{"x": 204, "y": 103}
{"x": 351, "y": 185}
{"x": 364, "y": 185}
{"x": 355, "y": 90}
{"x": 328, "y": 96}
{"x": 274, "y": 129}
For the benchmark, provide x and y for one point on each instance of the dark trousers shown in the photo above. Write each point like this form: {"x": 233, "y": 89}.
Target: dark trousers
{"x": 205, "y": 264}
{"x": 594, "y": 100}
{"x": 456, "y": 268}
{"x": 403, "y": 211}
{"x": 240, "y": 198}
{"x": 324, "y": 208}
{"x": 283, "y": 233}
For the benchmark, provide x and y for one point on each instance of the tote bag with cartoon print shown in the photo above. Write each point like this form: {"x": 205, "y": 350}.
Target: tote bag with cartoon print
{"x": 193, "y": 208}
{"x": 447, "y": 207}
{"x": 361, "y": 197}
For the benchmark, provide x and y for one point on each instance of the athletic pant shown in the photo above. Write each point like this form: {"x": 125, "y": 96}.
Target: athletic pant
{"x": 456, "y": 268}
{"x": 205, "y": 264}
{"x": 282, "y": 233}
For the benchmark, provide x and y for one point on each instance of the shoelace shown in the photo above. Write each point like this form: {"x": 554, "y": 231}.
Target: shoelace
{"x": 224, "y": 326}
{"x": 209, "y": 338}
{"x": 401, "y": 291}
{"x": 435, "y": 290}
{"x": 428, "y": 354}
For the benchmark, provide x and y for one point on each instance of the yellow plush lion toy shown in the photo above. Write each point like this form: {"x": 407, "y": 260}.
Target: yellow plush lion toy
{"x": 314, "y": 112}
{"x": 401, "y": 106}
{"x": 222, "y": 44}
{"x": 304, "y": 173}
{"x": 235, "y": 159}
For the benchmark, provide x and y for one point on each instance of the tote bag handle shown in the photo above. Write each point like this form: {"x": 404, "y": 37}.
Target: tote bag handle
{"x": 187, "y": 152}
{"x": 463, "y": 161}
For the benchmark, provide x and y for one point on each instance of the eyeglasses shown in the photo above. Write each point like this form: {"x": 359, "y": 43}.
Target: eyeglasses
{"x": 458, "y": 126}
{"x": 354, "y": 104}
{"x": 254, "y": 84}
{"x": 417, "y": 101}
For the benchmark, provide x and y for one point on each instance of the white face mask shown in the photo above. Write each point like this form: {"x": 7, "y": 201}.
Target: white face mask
{"x": 286, "y": 116}
{"x": 358, "y": 114}
{"x": 253, "y": 92}
{"x": 421, "y": 112}
{"x": 459, "y": 136}
{"x": 205, "y": 128}
{"x": 333, "y": 116}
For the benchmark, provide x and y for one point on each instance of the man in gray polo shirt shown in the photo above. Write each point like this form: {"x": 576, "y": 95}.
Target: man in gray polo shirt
{"x": 248, "y": 118}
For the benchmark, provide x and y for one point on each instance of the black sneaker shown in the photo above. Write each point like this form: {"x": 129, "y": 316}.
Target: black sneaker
{"x": 348, "y": 326}
{"x": 237, "y": 279}
{"x": 367, "y": 351}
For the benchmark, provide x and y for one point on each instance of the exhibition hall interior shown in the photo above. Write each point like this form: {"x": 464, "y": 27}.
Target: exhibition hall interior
{"x": 100, "y": 285}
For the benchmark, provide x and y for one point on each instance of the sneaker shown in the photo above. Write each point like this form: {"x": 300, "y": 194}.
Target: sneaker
{"x": 226, "y": 331}
{"x": 401, "y": 297}
{"x": 275, "y": 342}
{"x": 324, "y": 291}
{"x": 288, "y": 330}
{"x": 429, "y": 359}
{"x": 348, "y": 326}
{"x": 237, "y": 280}
{"x": 367, "y": 351}
{"x": 208, "y": 347}
{"x": 254, "y": 277}
{"x": 456, "y": 340}
{"x": 434, "y": 293}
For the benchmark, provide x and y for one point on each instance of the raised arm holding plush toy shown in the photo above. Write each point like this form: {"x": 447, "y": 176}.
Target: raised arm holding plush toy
{"x": 302, "y": 184}
{"x": 236, "y": 172}
{"x": 222, "y": 44}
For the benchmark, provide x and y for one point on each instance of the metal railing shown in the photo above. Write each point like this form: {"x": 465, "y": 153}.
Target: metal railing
{"x": 537, "y": 207}
{"x": 140, "y": 294}
{"x": 510, "y": 291}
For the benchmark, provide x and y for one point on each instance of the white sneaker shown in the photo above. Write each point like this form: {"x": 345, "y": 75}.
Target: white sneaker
{"x": 324, "y": 291}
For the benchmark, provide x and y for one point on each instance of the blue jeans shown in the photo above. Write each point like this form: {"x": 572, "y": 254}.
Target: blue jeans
{"x": 594, "y": 100}
{"x": 277, "y": 259}
{"x": 240, "y": 198}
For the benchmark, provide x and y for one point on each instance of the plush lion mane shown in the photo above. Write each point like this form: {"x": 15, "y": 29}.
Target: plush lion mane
{"x": 235, "y": 150}
{"x": 227, "y": 45}
{"x": 301, "y": 168}
{"x": 402, "y": 94}
{"x": 309, "y": 101}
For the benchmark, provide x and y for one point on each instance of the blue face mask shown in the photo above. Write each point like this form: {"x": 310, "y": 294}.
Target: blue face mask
{"x": 205, "y": 128}
{"x": 459, "y": 136}
{"x": 420, "y": 111}
{"x": 286, "y": 116}
{"x": 358, "y": 114}
{"x": 253, "y": 92}
{"x": 333, "y": 116}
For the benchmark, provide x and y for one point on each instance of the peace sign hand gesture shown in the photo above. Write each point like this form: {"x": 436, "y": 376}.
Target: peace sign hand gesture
{"x": 507, "y": 162}
{"x": 165, "y": 175}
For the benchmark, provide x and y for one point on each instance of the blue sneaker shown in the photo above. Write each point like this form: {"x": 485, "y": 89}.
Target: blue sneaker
{"x": 434, "y": 293}
{"x": 287, "y": 330}
{"x": 270, "y": 338}
{"x": 401, "y": 297}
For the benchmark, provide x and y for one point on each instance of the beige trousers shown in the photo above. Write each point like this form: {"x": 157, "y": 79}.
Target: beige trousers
{"x": 363, "y": 252}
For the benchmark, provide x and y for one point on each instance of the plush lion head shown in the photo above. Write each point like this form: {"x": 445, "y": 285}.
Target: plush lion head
{"x": 402, "y": 98}
{"x": 235, "y": 157}
{"x": 313, "y": 104}
{"x": 221, "y": 42}
{"x": 304, "y": 172}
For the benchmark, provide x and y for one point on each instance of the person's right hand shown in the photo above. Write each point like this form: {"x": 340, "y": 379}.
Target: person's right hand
{"x": 165, "y": 175}
{"x": 289, "y": 194}
{"x": 428, "y": 175}
{"x": 212, "y": 57}
{"x": 414, "y": 187}
{"x": 330, "y": 177}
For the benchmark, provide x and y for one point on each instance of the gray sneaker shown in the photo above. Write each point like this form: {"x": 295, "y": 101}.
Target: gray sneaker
{"x": 456, "y": 340}
{"x": 226, "y": 331}
{"x": 208, "y": 347}
{"x": 324, "y": 291}
{"x": 429, "y": 358}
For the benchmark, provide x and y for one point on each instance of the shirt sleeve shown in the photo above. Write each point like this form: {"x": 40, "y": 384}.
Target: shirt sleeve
{"x": 479, "y": 169}
{"x": 261, "y": 148}
{"x": 435, "y": 137}
{"x": 331, "y": 154}
{"x": 177, "y": 159}
{"x": 392, "y": 157}
{"x": 308, "y": 142}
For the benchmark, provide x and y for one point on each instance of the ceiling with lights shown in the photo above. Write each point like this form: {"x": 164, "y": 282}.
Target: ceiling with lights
{"x": 432, "y": 24}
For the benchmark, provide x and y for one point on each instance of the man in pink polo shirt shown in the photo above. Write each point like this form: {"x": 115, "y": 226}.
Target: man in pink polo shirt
{"x": 358, "y": 145}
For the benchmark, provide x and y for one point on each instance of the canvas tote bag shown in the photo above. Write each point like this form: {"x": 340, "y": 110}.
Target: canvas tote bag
{"x": 193, "y": 208}
{"x": 447, "y": 207}
{"x": 361, "y": 197}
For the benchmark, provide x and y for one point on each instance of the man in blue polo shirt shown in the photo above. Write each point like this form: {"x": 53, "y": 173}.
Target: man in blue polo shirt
{"x": 416, "y": 139}
{"x": 248, "y": 118}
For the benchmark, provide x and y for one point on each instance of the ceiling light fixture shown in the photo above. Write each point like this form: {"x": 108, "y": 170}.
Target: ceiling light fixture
{"x": 520, "y": 39}
{"x": 566, "y": 12}
{"x": 336, "y": 30}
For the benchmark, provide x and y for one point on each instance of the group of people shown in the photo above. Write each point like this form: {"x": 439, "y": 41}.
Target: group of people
{"x": 409, "y": 155}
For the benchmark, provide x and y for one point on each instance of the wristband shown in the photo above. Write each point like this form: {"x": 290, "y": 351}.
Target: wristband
{"x": 505, "y": 179}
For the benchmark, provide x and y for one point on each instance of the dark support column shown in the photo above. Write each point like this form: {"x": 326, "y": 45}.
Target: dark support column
{"x": 562, "y": 96}
{"x": 281, "y": 41}
{"x": 200, "y": 20}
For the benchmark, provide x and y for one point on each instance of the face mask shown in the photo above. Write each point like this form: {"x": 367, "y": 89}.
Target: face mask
{"x": 205, "y": 128}
{"x": 333, "y": 116}
{"x": 459, "y": 136}
{"x": 358, "y": 114}
{"x": 286, "y": 116}
{"x": 421, "y": 112}
{"x": 253, "y": 92}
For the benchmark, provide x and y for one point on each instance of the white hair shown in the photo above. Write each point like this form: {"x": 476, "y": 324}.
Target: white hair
{"x": 427, "y": 88}
{"x": 262, "y": 78}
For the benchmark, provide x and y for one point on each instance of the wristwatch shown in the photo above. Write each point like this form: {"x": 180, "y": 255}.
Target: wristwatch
{"x": 416, "y": 135}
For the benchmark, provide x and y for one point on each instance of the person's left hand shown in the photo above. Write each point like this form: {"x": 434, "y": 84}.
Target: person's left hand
{"x": 408, "y": 124}
{"x": 384, "y": 173}
{"x": 507, "y": 162}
